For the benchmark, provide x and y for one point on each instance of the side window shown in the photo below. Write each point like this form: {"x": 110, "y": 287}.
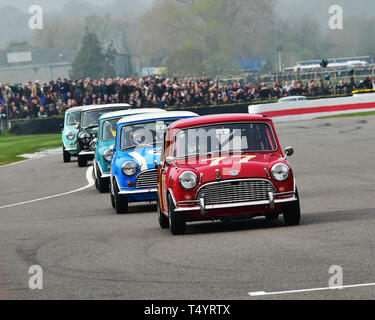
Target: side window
{"x": 164, "y": 151}
{"x": 118, "y": 135}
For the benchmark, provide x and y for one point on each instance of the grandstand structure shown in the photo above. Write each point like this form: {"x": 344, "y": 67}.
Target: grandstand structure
{"x": 22, "y": 64}
{"x": 335, "y": 63}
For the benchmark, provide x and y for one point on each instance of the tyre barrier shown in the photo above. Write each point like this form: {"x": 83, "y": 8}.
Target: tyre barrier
{"x": 311, "y": 109}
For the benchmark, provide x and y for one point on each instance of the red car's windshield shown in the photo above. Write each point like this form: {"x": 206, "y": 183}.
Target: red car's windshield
{"x": 225, "y": 138}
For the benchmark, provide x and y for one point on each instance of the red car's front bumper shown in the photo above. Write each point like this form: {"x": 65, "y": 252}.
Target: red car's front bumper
{"x": 199, "y": 210}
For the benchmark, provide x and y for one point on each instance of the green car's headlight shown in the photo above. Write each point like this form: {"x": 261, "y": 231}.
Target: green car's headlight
{"x": 70, "y": 135}
{"x": 280, "y": 172}
{"x": 108, "y": 154}
{"x": 129, "y": 168}
{"x": 188, "y": 180}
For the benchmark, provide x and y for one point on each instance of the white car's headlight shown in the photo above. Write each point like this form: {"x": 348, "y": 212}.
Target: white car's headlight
{"x": 280, "y": 172}
{"x": 188, "y": 180}
{"x": 129, "y": 168}
{"x": 108, "y": 154}
{"x": 70, "y": 135}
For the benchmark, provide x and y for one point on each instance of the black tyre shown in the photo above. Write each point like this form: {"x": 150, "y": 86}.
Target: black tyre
{"x": 82, "y": 161}
{"x": 177, "y": 221}
{"x": 292, "y": 213}
{"x": 66, "y": 156}
{"x": 163, "y": 220}
{"x": 272, "y": 216}
{"x": 121, "y": 202}
{"x": 103, "y": 184}
{"x": 113, "y": 200}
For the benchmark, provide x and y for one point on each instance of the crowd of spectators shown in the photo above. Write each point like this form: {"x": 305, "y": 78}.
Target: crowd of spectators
{"x": 37, "y": 100}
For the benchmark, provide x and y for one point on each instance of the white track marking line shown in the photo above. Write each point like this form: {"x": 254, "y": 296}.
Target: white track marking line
{"x": 90, "y": 181}
{"x": 262, "y": 293}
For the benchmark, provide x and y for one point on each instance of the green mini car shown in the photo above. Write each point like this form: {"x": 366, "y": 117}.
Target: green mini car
{"x": 105, "y": 144}
{"x": 88, "y": 130}
{"x": 69, "y": 133}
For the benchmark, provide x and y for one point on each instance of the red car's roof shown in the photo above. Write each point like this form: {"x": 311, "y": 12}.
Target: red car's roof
{"x": 212, "y": 119}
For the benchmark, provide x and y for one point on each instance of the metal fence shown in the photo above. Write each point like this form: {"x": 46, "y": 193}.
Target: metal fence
{"x": 335, "y": 75}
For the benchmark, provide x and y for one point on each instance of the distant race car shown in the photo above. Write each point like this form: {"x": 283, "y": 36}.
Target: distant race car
{"x": 292, "y": 99}
{"x": 69, "y": 133}
{"x": 105, "y": 144}
{"x": 88, "y": 130}
{"x": 224, "y": 167}
{"x": 137, "y": 155}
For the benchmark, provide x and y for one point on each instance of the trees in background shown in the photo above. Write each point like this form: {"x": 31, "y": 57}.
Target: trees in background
{"x": 218, "y": 31}
{"x": 92, "y": 59}
{"x": 59, "y": 33}
{"x": 210, "y": 36}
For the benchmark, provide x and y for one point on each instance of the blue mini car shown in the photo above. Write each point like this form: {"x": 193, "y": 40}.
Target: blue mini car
{"x": 137, "y": 156}
{"x": 69, "y": 133}
{"x": 105, "y": 144}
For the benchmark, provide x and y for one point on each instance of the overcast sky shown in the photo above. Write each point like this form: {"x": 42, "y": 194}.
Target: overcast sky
{"x": 48, "y": 5}
{"x": 13, "y": 25}
{"x": 58, "y": 5}
{"x": 285, "y": 7}
{"x": 319, "y": 8}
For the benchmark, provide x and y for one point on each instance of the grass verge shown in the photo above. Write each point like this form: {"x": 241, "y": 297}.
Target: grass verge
{"x": 348, "y": 115}
{"x": 12, "y": 146}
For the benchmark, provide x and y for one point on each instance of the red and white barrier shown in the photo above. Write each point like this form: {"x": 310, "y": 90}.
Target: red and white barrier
{"x": 311, "y": 109}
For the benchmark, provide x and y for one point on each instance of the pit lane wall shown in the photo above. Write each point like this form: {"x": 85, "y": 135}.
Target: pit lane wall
{"x": 311, "y": 109}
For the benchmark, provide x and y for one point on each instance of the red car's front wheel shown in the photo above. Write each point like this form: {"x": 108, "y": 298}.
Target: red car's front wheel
{"x": 292, "y": 213}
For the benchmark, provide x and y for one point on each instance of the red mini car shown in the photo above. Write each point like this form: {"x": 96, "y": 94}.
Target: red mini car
{"x": 224, "y": 167}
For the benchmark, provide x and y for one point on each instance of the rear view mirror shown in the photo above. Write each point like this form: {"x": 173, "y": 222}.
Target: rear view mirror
{"x": 289, "y": 151}
{"x": 170, "y": 161}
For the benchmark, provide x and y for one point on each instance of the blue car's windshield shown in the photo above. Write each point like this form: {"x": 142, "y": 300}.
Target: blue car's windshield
{"x": 144, "y": 134}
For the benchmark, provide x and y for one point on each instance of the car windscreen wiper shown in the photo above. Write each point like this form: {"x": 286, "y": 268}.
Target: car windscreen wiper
{"x": 90, "y": 127}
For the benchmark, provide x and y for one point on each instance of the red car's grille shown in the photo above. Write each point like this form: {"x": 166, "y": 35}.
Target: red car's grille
{"x": 235, "y": 191}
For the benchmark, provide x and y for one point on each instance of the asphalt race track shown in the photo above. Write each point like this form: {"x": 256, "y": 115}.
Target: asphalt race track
{"x": 88, "y": 252}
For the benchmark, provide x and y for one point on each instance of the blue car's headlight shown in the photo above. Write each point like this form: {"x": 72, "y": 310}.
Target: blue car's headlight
{"x": 129, "y": 168}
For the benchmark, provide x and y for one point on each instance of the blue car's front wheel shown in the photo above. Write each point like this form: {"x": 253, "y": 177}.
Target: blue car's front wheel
{"x": 121, "y": 202}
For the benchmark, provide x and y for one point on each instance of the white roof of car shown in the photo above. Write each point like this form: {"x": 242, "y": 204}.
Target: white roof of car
{"x": 293, "y": 98}
{"x": 159, "y": 115}
{"x": 74, "y": 109}
{"x": 130, "y": 112}
{"x": 105, "y": 106}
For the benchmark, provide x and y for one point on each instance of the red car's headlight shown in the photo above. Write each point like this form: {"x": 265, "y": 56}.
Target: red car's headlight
{"x": 280, "y": 172}
{"x": 188, "y": 180}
